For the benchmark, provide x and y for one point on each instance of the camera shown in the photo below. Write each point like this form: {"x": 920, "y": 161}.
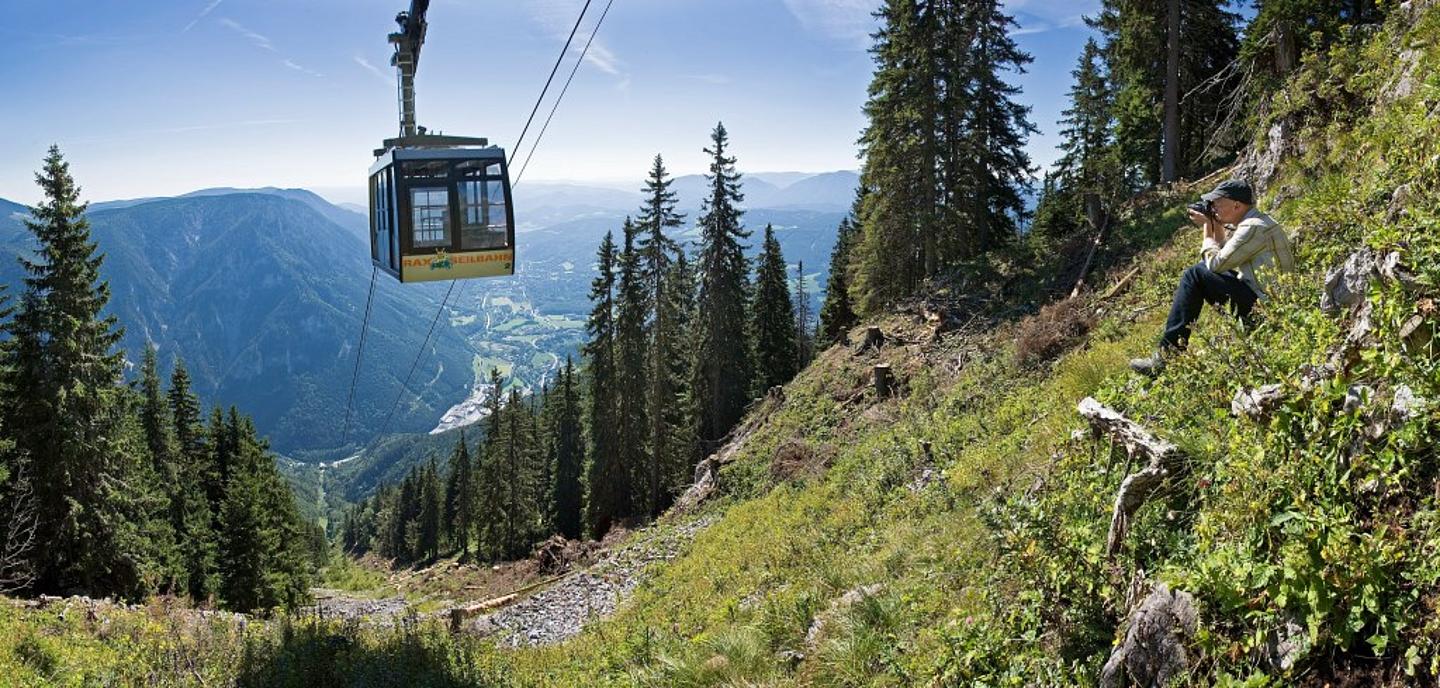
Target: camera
{"x": 1205, "y": 208}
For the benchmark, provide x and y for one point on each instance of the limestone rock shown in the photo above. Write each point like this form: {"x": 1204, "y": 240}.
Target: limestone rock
{"x": 1153, "y": 652}
{"x": 1345, "y": 286}
{"x": 1256, "y": 404}
{"x": 838, "y": 606}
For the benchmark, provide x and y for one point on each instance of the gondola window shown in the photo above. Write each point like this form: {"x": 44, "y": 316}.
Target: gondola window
{"x": 430, "y": 210}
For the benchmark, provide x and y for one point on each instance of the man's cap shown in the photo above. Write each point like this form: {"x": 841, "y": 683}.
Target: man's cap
{"x": 1233, "y": 189}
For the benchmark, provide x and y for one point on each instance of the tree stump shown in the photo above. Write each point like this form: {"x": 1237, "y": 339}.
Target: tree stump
{"x": 874, "y": 339}
{"x": 884, "y": 380}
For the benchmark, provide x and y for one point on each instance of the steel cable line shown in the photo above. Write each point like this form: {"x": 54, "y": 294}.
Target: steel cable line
{"x": 404, "y": 386}
{"x": 541, "y": 136}
{"x": 359, "y": 351}
{"x": 558, "y": 61}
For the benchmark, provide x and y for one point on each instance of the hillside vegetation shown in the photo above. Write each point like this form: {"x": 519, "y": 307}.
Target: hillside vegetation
{"x": 955, "y": 534}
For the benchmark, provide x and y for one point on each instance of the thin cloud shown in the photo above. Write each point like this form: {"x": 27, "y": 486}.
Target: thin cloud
{"x": 716, "y": 79}
{"x": 375, "y": 71}
{"x": 1029, "y": 24}
{"x": 264, "y": 43}
{"x": 1039, "y": 16}
{"x": 203, "y": 13}
{"x": 259, "y": 40}
{"x": 849, "y": 21}
{"x": 301, "y": 68}
{"x": 601, "y": 57}
{"x": 557, "y": 17}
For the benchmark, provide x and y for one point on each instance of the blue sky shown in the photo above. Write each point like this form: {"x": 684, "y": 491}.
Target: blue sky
{"x": 158, "y": 98}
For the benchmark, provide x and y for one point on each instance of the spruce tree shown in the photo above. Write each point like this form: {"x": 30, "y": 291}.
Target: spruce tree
{"x": 263, "y": 556}
{"x": 898, "y": 240}
{"x": 605, "y": 478}
{"x": 69, "y": 419}
{"x": 772, "y": 323}
{"x": 667, "y": 296}
{"x": 998, "y": 128}
{"x": 460, "y": 498}
{"x": 515, "y": 452}
{"x": 165, "y": 466}
{"x": 1088, "y": 163}
{"x": 431, "y": 506}
{"x": 490, "y": 517}
{"x": 837, "y": 314}
{"x": 568, "y": 496}
{"x": 631, "y": 383}
{"x": 195, "y": 513}
{"x": 804, "y": 332}
{"x": 721, "y": 371}
{"x": 1136, "y": 34}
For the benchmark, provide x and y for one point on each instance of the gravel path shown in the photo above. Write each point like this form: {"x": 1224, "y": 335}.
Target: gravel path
{"x": 562, "y": 610}
{"x": 332, "y": 604}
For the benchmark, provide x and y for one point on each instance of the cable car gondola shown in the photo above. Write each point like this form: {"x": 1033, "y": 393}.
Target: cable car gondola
{"x": 439, "y": 205}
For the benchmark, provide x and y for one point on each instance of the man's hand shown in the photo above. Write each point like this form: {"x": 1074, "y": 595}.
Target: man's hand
{"x": 1213, "y": 229}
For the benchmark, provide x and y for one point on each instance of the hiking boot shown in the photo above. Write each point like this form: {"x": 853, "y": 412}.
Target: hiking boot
{"x": 1151, "y": 366}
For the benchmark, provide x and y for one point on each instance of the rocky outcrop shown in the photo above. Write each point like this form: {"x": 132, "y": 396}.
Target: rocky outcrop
{"x": 1153, "y": 653}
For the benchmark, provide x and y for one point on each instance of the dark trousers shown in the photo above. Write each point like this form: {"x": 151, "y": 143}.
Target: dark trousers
{"x": 1198, "y": 285}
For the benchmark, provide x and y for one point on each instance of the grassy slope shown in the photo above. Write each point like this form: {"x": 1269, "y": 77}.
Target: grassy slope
{"x": 995, "y": 575}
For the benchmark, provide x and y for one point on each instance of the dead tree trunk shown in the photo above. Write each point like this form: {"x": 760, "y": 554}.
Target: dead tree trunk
{"x": 884, "y": 381}
{"x": 1169, "y": 163}
{"x": 1162, "y": 460}
{"x": 1095, "y": 213}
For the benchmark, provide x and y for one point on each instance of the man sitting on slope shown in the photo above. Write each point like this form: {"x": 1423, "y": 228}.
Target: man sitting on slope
{"x": 1228, "y": 273}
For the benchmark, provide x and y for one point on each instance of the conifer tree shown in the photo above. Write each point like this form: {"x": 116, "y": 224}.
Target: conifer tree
{"x": 194, "y": 512}
{"x": 542, "y": 432}
{"x": 837, "y": 314}
{"x": 431, "y": 507}
{"x": 159, "y": 432}
{"x": 490, "y": 516}
{"x": 1137, "y": 36}
{"x": 772, "y": 323}
{"x": 1088, "y": 163}
{"x": 263, "y": 563}
{"x": 804, "y": 332}
{"x": 568, "y": 489}
{"x": 899, "y": 239}
{"x": 460, "y": 498}
{"x": 721, "y": 372}
{"x": 663, "y": 266}
{"x": 605, "y": 478}
{"x": 514, "y": 451}
{"x": 631, "y": 384}
{"x": 944, "y": 147}
{"x": 998, "y": 128}
{"x": 69, "y": 420}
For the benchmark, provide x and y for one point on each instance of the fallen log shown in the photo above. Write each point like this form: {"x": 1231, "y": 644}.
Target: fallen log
{"x": 1162, "y": 458}
{"x": 459, "y": 615}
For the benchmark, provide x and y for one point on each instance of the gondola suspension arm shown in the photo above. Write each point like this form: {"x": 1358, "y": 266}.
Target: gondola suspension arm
{"x": 408, "y": 41}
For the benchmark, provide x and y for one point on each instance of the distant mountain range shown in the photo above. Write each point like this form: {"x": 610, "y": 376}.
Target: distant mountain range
{"x": 262, "y": 295}
{"x": 262, "y": 291}
{"x": 824, "y": 192}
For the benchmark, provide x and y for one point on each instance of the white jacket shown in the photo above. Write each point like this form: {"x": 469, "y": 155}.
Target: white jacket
{"x": 1257, "y": 244}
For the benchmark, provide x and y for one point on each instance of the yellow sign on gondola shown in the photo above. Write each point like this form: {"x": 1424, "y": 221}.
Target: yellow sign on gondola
{"x": 448, "y": 266}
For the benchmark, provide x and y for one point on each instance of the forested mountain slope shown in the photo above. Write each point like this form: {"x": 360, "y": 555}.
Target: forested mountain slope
{"x": 262, "y": 296}
{"x": 955, "y": 532}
